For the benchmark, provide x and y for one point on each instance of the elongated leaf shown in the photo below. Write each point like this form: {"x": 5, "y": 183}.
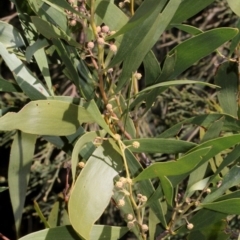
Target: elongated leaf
{"x": 93, "y": 189}
{"x": 137, "y": 27}
{"x": 3, "y": 189}
{"x": 200, "y": 185}
{"x": 50, "y": 14}
{"x": 53, "y": 218}
{"x": 207, "y": 225}
{"x": 188, "y": 28}
{"x": 201, "y": 46}
{"x": 79, "y": 145}
{"x": 205, "y": 120}
{"x": 39, "y": 53}
{"x": 146, "y": 188}
{"x": 231, "y": 157}
{"x": 230, "y": 206}
{"x": 10, "y": 37}
{"x": 192, "y": 7}
{"x": 23, "y": 75}
{"x": 235, "y": 6}
{"x": 160, "y": 145}
{"x": 184, "y": 165}
{"x": 63, "y": 5}
{"x": 7, "y": 86}
{"x": 21, "y": 156}
{"x": 96, "y": 115}
{"x": 227, "y": 79}
{"x": 111, "y": 15}
{"x": 232, "y": 178}
{"x": 174, "y": 83}
{"x": 151, "y": 68}
{"x": 40, "y": 215}
{"x": 167, "y": 189}
{"x": 155, "y": 29}
{"x": 214, "y": 130}
{"x": 46, "y": 117}
{"x": 99, "y": 232}
{"x": 49, "y": 31}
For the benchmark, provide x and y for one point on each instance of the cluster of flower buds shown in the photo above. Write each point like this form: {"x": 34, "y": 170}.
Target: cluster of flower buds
{"x": 78, "y": 6}
{"x": 122, "y": 4}
{"x": 103, "y": 31}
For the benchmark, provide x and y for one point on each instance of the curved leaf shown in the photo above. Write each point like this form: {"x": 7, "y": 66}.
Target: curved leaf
{"x": 136, "y": 55}
{"x": 200, "y": 46}
{"x": 21, "y": 156}
{"x": 99, "y": 232}
{"x": 81, "y": 143}
{"x": 46, "y": 117}
{"x": 235, "y": 6}
{"x": 10, "y": 36}
{"x": 25, "y": 79}
{"x": 227, "y": 78}
{"x": 93, "y": 189}
{"x": 230, "y": 206}
{"x": 183, "y": 165}
{"x": 160, "y": 145}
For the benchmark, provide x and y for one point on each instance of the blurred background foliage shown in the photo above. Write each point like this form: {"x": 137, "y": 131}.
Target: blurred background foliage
{"x": 49, "y": 168}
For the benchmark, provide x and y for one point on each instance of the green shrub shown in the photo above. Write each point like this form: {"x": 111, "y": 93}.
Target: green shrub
{"x": 100, "y": 47}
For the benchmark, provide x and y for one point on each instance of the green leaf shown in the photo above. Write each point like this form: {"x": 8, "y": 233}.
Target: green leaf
{"x": 53, "y": 218}
{"x": 24, "y": 77}
{"x": 153, "y": 221}
{"x": 81, "y": 144}
{"x": 50, "y": 14}
{"x": 93, "y": 189}
{"x": 21, "y": 156}
{"x": 214, "y": 130}
{"x": 205, "y": 120}
{"x": 207, "y": 225}
{"x": 231, "y": 157}
{"x": 37, "y": 49}
{"x": 167, "y": 189}
{"x": 110, "y": 14}
{"x": 175, "y": 83}
{"x": 155, "y": 26}
{"x": 10, "y": 37}
{"x": 201, "y": 46}
{"x": 160, "y": 145}
{"x": 232, "y": 178}
{"x": 235, "y": 6}
{"x": 99, "y": 232}
{"x": 40, "y": 214}
{"x": 151, "y": 68}
{"x": 235, "y": 41}
{"x": 192, "y": 7}
{"x": 61, "y": 233}
{"x": 46, "y": 117}
{"x": 7, "y": 86}
{"x": 227, "y": 78}
{"x": 97, "y": 116}
{"x": 146, "y": 188}
{"x": 230, "y": 206}
{"x": 49, "y": 31}
{"x": 3, "y": 189}
{"x": 137, "y": 27}
{"x": 199, "y": 185}
{"x": 188, "y": 28}
{"x": 183, "y": 165}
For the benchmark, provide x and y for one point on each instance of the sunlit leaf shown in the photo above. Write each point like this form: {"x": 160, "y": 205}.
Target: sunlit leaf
{"x": 93, "y": 189}
{"x": 46, "y": 117}
{"x": 160, "y": 145}
{"x": 10, "y": 36}
{"x": 21, "y": 156}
